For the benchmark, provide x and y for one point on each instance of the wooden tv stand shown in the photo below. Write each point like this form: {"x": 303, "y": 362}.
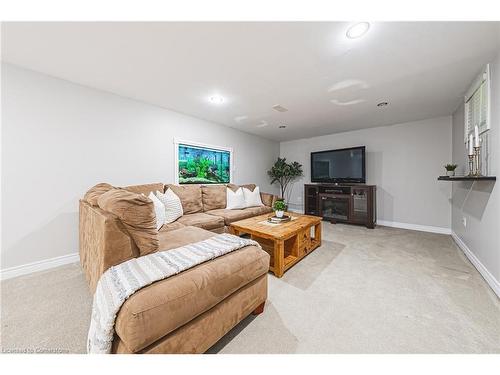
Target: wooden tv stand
{"x": 342, "y": 203}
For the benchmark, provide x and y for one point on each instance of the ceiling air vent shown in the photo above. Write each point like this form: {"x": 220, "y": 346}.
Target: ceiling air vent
{"x": 279, "y": 108}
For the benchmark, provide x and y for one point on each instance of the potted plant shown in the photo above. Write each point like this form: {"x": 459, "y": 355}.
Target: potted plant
{"x": 279, "y": 208}
{"x": 283, "y": 173}
{"x": 450, "y": 169}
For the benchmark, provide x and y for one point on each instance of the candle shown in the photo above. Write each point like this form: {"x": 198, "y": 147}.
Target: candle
{"x": 476, "y": 136}
{"x": 471, "y": 151}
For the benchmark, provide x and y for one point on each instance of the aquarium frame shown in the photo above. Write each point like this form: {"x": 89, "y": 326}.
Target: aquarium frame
{"x": 184, "y": 142}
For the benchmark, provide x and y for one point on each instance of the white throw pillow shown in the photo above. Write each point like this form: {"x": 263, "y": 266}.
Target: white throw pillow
{"x": 173, "y": 205}
{"x": 252, "y": 198}
{"x": 235, "y": 199}
{"x": 159, "y": 210}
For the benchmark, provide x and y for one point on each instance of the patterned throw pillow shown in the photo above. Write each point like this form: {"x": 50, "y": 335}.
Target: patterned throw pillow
{"x": 159, "y": 210}
{"x": 235, "y": 199}
{"x": 252, "y": 198}
{"x": 173, "y": 206}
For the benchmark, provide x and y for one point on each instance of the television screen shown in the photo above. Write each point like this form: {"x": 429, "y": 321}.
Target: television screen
{"x": 343, "y": 165}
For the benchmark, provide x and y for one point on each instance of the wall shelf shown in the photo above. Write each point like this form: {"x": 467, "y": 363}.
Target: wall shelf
{"x": 467, "y": 178}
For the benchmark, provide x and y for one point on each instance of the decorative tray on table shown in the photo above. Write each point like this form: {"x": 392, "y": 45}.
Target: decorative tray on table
{"x": 277, "y": 220}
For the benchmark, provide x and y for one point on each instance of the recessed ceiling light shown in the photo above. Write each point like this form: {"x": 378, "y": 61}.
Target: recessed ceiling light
{"x": 279, "y": 108}
{"x": 282, "y": 126}
{"x": 382, "y": 104}
{"x": 357, "y": 30}
{"x": 216, "y": 99}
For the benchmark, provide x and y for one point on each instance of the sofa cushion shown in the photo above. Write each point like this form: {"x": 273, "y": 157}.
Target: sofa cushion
{"x": 235, "y": 199}
{"x": 159, "y": 210}
{"x": 172, "y": 205}
{"x": 213, "y": 197}
{"x": 267, "y": 199}
{"x": 95, "y": 192}
{"x": 202, "y": 220}
{"x": 170, "y": 227}
{"x": 261, "y": 210}
{"x": 156, "y": 310}
{"x": 252, "y": 198}
{"x": 230, "y": 216}
{"x": 181, "y": 236}
{"x": 190, "y": 196}
{"x": 146, "y": 188}
{"x": 137, "y": 214}
{"x": 234, "y": 187}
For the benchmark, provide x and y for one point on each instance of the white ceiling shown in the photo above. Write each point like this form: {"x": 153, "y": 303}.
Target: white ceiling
{"x": 329, "y": 83}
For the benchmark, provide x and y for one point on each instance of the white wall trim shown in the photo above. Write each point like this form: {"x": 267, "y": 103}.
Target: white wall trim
{"x": 395, "y": 224}
{"x": 487, "y": 276}
{"x": 41, "y": 265}
{"x": 421, "y": 228}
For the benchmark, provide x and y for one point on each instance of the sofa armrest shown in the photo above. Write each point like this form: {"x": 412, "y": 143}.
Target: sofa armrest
{"x": 104, "y": 242}
{"x": 268, "y": 199}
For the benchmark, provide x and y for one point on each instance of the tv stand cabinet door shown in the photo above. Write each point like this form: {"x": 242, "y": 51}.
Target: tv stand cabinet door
{"x": 311, "y": 200}
{"x": 360, "y": 205}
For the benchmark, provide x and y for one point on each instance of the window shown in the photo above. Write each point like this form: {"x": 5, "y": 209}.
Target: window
{"x": 477, "y": 104}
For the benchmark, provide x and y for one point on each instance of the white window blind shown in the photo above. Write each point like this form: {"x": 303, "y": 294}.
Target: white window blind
{"x": 477, "y": 104}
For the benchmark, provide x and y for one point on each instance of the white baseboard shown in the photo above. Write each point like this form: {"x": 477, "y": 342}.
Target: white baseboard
{"x": 487, "y": 276}
{"x": 41, "y": 265}
{"x": 395, "y": 224}
{"x": 421, "y": 228}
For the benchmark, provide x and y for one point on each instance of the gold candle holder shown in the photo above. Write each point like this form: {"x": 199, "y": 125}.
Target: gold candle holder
{"x": 477, "y": 161}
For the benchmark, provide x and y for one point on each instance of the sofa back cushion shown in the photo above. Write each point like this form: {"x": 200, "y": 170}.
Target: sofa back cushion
{"x": 214, "y": 197}
{"x": 146, "y": 188}
{"x": 267, "y": 199}
{"x": 190, "y": 196}
{"x": 95, "y": 192}
{"x": 137, "y": 214}
{"x": 234, "y": 187}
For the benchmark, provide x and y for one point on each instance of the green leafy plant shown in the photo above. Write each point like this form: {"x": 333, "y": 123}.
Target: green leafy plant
{"x": 450, "y": 167}
{"x": 202, "y": 165}
{"x": 279, "y": 205}
{"x": 191, "y": 165}
{"x": 283, "y": 173}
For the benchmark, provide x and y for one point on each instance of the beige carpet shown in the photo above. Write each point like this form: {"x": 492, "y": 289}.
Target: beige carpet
{"x": 364, "y": 291}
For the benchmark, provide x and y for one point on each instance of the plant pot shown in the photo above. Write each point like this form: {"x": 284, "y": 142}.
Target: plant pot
{"x": 279, "y": 213}
{"x": 450, "y": 173}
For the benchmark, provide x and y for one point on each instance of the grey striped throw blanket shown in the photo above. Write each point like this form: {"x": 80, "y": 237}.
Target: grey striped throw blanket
{"x": 119, "y": 282}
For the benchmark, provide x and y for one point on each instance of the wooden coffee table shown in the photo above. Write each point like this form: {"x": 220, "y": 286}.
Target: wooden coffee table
{"x": 286, "y": 243}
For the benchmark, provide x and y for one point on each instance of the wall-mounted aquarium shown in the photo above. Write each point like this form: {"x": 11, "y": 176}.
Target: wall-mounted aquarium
{"x": 202, "y": 164}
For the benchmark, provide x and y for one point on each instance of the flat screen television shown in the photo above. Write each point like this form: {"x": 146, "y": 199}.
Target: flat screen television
{"x": 346, "y": 165}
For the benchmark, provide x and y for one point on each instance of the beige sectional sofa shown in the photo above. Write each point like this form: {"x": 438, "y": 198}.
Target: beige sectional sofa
{"x": 189, "y": 312}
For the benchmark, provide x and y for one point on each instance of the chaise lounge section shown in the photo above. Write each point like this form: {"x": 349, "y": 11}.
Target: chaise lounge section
{"x": 191, "y": 311}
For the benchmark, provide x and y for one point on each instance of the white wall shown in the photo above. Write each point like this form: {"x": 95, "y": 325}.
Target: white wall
{"x": 404, "y": 162}
{"x": 479, "y": 202}
{"x": 59, "y": 139}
